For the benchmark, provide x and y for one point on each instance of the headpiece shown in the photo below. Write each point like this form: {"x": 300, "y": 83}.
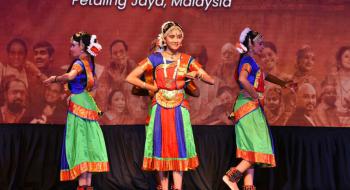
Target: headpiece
{"x": 94, "y": 48}
{"x": 165, "y": 29}
{"x": 240, "y": 47}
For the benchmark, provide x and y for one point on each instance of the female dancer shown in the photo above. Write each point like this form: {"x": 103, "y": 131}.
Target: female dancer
{"x": 83, "y": 150}
{"x": 169, "y": 139}
{"x": 254, "y": 143}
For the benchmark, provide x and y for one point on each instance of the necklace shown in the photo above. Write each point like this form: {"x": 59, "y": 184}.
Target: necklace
{"x": 169, "y": 80}
{"x": 166, "y": 66}
{"x": 172, "y": 55}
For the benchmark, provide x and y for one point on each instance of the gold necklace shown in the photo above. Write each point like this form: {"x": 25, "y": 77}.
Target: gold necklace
{"x": 172, "y": 55}
{"x": 166, "y": 66}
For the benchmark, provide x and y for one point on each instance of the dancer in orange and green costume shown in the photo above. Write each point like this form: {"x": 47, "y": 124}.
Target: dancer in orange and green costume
{"x": 83, "y": 150}
{"x": 169, "y": 142}
{"x": 253, "y": 138}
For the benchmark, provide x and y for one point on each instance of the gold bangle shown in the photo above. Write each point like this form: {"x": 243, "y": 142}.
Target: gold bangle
{"x": 200, "y": 74}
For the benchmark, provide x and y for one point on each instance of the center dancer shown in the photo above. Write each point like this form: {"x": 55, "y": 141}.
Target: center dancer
{"x": 169, "y": 145}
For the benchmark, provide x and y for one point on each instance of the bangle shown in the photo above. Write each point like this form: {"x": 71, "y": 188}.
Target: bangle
{"x": 200, "y": 74}
{"x": 144, "y": 85}
{"x": 55, "y": 79}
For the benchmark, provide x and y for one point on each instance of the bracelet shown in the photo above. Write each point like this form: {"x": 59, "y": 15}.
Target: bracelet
{"x": 55, "y": 79}
{"x": 200, "y": 74}
{"x": 144, "y": 85}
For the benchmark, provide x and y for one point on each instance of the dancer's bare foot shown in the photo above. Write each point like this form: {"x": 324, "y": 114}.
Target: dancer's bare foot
{"x": 231, "y": 185}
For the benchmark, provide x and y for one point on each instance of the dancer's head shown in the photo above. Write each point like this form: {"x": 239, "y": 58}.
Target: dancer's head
{"x": 83, "y": 42}
{"x": 171, "y": 35}
{"x": 250, "y": 41}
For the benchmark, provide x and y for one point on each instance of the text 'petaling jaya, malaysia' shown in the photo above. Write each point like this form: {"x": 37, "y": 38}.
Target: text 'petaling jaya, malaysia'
{"x": 149, "y": 4}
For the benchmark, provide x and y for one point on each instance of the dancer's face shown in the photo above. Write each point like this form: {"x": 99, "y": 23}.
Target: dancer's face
{"x": 76, "y": 49}
{"x": 258, "y": 46}
{"x": 174, "y": 39}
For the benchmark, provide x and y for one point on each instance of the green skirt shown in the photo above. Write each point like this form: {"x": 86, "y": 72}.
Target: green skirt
{"x": 83, "y": 147}
{"x": 253, "y": 138}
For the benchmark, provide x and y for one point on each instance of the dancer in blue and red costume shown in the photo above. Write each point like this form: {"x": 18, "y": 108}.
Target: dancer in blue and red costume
{"x": 169, "y": 138}
{"x": 83, "y": 151}
{"x": 253, "y": 139}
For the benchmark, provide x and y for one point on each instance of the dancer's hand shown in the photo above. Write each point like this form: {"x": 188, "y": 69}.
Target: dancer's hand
{"x": 193, "y": 75}
{"x": 154, "y": 87}
{"x": 50, "y": 80}
{"x": 68, "y": 99}
{"x": 293, "y": 86}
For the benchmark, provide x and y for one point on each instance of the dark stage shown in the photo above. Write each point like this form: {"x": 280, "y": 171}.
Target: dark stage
{"x": 307, "y": 159}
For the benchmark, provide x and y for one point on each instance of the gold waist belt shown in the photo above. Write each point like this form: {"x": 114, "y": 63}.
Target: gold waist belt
{"x": 169, "y": 98}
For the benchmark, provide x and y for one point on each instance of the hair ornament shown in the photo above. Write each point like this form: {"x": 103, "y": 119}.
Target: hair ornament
{"x": 244, "y": 34}
{"x": 94, "y": 48}
{"x": 241, "y": 48}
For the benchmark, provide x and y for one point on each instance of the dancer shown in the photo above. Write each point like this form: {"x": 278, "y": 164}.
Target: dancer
{"x": 253, "y": 139}
{"x": 83, "y": 150}
{"x": 169, "y": 138}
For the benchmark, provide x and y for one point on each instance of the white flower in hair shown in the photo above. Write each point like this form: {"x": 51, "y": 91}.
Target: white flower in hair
{"x": 94, "y": 48}
{"x": 160, "y": 39}
{"x": 241, "y": 48}
{"x": 244, "y": 34}
{"x": 164, "y": 24}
